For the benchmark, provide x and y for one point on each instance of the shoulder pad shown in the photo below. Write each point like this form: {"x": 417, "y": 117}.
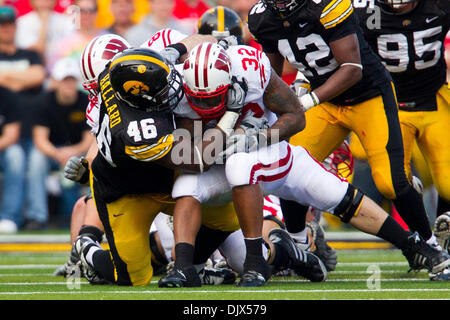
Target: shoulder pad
{"x": 334, "y": 12}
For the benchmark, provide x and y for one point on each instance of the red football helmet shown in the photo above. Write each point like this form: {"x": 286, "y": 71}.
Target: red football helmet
{"x": 207, "y": 75}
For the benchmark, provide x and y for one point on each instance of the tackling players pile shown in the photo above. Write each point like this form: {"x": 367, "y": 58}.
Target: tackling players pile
{"x": 141, "y": 101}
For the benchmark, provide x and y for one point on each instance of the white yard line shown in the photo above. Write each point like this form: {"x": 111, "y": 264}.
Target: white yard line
{"x": 223, "y": 291}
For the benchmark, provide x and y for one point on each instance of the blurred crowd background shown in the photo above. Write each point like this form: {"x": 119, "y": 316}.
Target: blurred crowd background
{"x": 42, "y": 103}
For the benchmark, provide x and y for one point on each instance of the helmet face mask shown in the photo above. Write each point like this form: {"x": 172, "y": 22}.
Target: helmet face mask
{"x": 143, "y": 79}
{"x": 284, "y": 8}
{"x": 209, "y": 105}
{"x": 341, "y": 161}
{"x": 207, "y": 75}
{"x": 397, "y": 6}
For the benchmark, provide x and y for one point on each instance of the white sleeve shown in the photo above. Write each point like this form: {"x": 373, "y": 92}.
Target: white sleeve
{"x": 93, "y": 114}
{"x": 26, "y": 35}
{"x": 162, "y": 39}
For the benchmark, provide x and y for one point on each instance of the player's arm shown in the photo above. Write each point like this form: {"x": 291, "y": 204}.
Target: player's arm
{"x": 178, "y": 52}
{"x": 276, "y": 61}
{"x": 280, "y": 99}
{"x": 10, "y": 134}
{"x": 346, "y": 53}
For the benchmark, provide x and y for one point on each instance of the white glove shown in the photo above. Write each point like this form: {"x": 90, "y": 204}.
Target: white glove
{"x": 170, "y": 54}
{"x": 300, "y": 87}
{"x": 77, "y": 169}
{"x": 251, "y": 122}
{"x": 237, "y": 92}
{"x": 228, "y": 42}
{"x": 247, "y": 142}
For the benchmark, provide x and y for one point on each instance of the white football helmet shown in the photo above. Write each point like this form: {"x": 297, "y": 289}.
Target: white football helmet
{"x": 207, "y": 76}
{"x": 96, "y": 55}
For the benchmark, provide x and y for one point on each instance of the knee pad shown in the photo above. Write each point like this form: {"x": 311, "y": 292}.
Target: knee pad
{"x": 185, "y": 185}
{"x": 237, "y": 169}
{"x": 349, "y": 205}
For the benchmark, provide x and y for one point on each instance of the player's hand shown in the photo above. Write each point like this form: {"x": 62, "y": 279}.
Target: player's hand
{"x": 251, "y": 122}
{"x": 246, "y": 142}
{"x": 237, "y": 92}
{"x": 170, "y": 54}
{"x": 300, "y": 87}
{"x": 77, "y": 169}
{"x": 228, "y": 42}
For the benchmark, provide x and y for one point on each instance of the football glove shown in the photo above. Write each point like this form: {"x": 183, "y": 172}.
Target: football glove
{"x": 77, "y": 169}
{"x": 300, "y": 87}
{"x": 170, "y": 54}
{"x": 228, "y": 42}
{"x": 236, "y": 94}
{"x": 251, "y": 122}
{"x": 246, "y": 142}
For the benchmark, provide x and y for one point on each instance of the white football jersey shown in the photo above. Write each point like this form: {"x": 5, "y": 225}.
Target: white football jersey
{"x": 251, "y": 64}
{"x": 163, "y": 38}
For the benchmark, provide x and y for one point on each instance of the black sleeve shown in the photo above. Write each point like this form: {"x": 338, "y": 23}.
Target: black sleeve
{"x": 444, "y": 5}
{"x": 34, "y": 57}
{"x": 343, "y": 29}
{"x": 40, "y": 112}
{"x": 10, "y": 106}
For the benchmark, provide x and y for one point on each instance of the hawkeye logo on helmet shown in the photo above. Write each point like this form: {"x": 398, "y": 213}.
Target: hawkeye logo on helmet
{"x": 135, "y": 87}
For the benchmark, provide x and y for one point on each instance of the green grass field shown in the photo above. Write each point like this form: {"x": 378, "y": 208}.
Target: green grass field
{"x": 361, "y": 275}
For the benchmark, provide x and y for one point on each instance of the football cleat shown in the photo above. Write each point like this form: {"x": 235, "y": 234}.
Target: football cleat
{"x": 323, "y": 251}
{"x": 421, "y": 255}
{"x": 180, "y": 277}
{"x": 82, "y": 244}
{"x": 251, "y": 278}
{"x": 311, "y": 268}
{"x": 444, "y": 275}
{"x": 442, "y": 231}
{"x": 256, "y": 272}
{"x": 216, "y": 276}
{"x": 304, "y": 263}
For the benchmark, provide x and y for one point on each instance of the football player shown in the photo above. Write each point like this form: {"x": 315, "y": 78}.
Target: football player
{"x": 221, "y": 22}
{"x": 140, "y": 111}
{"x": 409, "y": 36}
{"x": 280, "y": 168}
{"x": 350, "y": 90}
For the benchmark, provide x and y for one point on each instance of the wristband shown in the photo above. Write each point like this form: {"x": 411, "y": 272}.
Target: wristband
{"x": 227, "y": 122}
{"x": 180, "y": 47}
{"x": 352, "y": 64}
{"x": 309, "y": 100}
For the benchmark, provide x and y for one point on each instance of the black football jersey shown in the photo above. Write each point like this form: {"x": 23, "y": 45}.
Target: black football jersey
{"x": 411, "y": 47}
{"x": 304, "y": 38}
{"x": 129, "y": 141}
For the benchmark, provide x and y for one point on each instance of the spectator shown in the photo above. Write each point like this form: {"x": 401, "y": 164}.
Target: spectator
{"x": 12, "y": 161}
{"x": 122, "y": 11}
{"x": 73, "y": 44}
{"x": 22, "y": 72}
{"x": 160, "y": 17}
{"x": 60, "y": 132}
{"x": 41, "y": 28}
{"x": 189, "y": 11}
